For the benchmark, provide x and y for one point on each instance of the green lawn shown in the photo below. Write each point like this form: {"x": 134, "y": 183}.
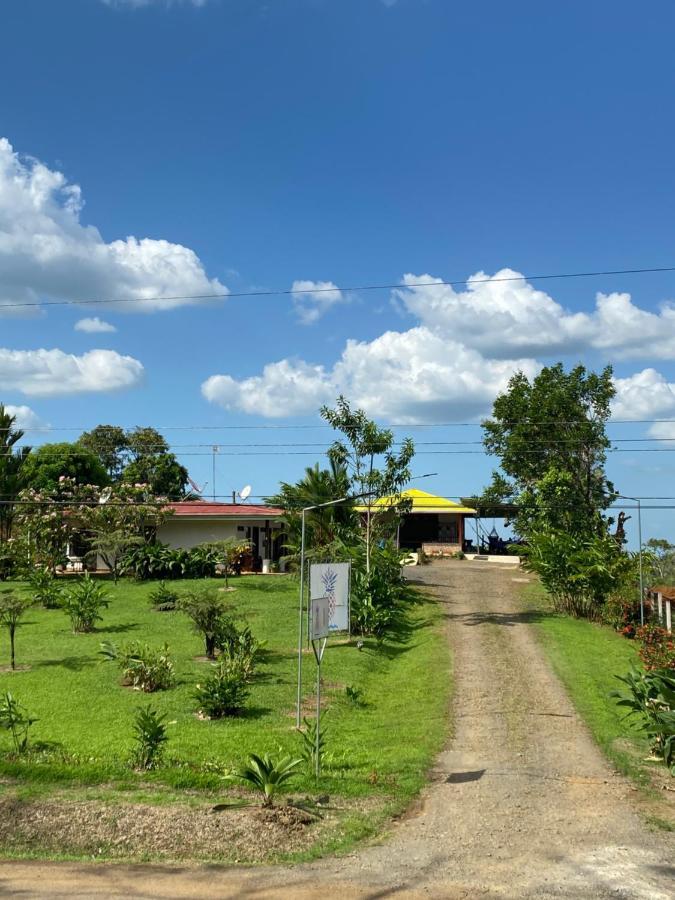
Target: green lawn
{"x": 384, "y": 748}
{"x": 587, "y": 658}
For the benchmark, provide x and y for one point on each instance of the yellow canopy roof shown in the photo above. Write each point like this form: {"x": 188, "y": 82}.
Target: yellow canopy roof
{"x": 422, "y": 502}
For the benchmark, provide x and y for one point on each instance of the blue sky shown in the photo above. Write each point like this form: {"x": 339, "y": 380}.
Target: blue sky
{"x": 154, "y": 149}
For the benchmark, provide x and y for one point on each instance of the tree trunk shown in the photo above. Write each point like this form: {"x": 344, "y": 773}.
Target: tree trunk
{"x": 12, "y": 630}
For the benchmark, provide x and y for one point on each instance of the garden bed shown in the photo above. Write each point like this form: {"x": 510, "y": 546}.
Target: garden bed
{"x": 377, "y": 752}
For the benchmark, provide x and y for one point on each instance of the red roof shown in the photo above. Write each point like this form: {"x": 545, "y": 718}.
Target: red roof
{"x": 194, "y": 508}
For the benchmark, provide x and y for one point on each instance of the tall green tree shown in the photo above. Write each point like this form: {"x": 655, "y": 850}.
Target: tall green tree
{"x": 110, "y": 444}
{"x": 146, "y": 443}
{"x": 47, "y": 464}
{"x": 12, "y": 459}
{"x": 163, "y": 474}
{"x": 550, "y": 436}
{"x": 366, "y": 453}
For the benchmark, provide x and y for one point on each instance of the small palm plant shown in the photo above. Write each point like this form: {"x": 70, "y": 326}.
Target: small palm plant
{"x": 267, "y": 775}
{"x": 150, "y": 737}
{"x": 15, "y": 719}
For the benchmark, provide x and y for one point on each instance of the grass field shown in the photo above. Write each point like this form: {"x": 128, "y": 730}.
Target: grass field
{"x": 383, "y": 748}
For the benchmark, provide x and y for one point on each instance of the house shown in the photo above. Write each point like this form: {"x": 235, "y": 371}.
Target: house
{"x": 433, "y": 524}
{"x": 200, "y": 521}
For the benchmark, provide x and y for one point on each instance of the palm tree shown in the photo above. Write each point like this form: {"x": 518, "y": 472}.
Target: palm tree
{"x": 11, "y": 463}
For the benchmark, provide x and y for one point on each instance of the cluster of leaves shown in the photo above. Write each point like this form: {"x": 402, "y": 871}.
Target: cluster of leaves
{"x": 163, "y": 598}
{"x": 657, "y": 650}
{"x": 381, "y": 597}
{"x": 150, "y": 737}
{"x": 149, "y": 561}
{"x": 143, "y": 667}
{"x": 210, "y": 616}
{"x": 222, "y": 693}
{"x": 314, "y": 745}
{"x": 266, "y": 774}
{"x": 225, "y": 690}
{"x": 622, "y": 613}
{"x": 580, "y": 571}
{"x": 239, "y": 651}
{"x": 15, "y": 719}
{"x": 650, "y": 699}
{"x": 13, "y": 607}
{"x": 44, "y": 588}
{"x": 83, "y": 602}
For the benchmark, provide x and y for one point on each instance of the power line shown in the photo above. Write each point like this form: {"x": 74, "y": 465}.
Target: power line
{"x": 282, "y": 292}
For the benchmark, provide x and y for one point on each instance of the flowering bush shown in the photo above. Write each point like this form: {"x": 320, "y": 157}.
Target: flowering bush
{"x": 623, "y": 614}
{"x": 658, "y": 647}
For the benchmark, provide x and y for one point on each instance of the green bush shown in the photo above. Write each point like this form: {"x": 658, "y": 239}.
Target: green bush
{"x": 657, "y": 650}
{"x": 380, "y": 598}
{"x": 149, "y": 561}
{"x": 239, "y": 651}
{"x": 83, "y": 603}
{"x": 143, "y": 668}
{"x": 163, "y": 598}
{"x": 44, "y": 587}
{"x": 266, "y": 774}
{"x": 150, "y": 738}
{"x": 651, "y": 700}
{"x": 222, "y": 693}
{"x": 15, "y": 719}
{"x": 622, "y": 614}
{"x": 209, "y": 613}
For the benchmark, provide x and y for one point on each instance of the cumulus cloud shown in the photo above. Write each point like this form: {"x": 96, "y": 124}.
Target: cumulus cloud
{"x": 314, "y": 298}
{"x": 25, "y": 417}
{"x": 405, "y": 377}
{"x": 503, "y": 317}
{"x": 644, "y": 395}
{"x": 285, "y": 388}
{"x": 94, "y": 325}
{"x": 49, "y": 373}
{"x": 46, "y": 251}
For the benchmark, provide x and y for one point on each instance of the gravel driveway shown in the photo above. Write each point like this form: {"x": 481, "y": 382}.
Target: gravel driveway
{"x": 522, "y": 804}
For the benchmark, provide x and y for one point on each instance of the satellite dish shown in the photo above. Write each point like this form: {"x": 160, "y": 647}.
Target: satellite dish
{"x": 245, "y": 492}
{"x": 105, "y": 496}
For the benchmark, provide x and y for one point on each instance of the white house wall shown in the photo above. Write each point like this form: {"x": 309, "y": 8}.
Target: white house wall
{"x": 187, "y": 533}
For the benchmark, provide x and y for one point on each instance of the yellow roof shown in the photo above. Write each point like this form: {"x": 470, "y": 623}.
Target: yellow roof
{"x": 422, "y": 502}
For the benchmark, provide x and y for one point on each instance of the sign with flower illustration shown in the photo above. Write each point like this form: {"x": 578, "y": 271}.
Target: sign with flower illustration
{"x": 331, "y": 580}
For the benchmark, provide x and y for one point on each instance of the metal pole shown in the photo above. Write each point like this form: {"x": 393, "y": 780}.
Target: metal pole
{"x": 300, "y": 621}
{"x": 642, "y": 587}
{"x": 213, "y": 466}
{"x": 318, "y": 718}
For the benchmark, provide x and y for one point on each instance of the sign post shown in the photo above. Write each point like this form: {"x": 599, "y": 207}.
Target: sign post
{"x": 319, "y": 630}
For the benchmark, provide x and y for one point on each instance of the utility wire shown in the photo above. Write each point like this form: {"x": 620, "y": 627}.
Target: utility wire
{"x": 364, "y": 287}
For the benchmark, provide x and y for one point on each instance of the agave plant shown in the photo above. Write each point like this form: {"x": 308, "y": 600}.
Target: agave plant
{"x": 265, "y": 774}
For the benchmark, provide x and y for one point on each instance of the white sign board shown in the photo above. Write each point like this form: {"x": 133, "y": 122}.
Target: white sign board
{"x": 331, "y": 580}
{"x": 319, "y": 622}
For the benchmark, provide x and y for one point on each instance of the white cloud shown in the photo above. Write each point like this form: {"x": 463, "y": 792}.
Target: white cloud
{"x": 644, "y": 395}
{"x": 25, "y": 416}
{"x": 314, "y": 298}
{"x": 46, "y": 252}
{"x": 410, "y": 377}
{"x": 94, "y": 325}
{"x": 507, "y": 318}
{"x": 284, "y": 388}
{"x": 49, "y": 373}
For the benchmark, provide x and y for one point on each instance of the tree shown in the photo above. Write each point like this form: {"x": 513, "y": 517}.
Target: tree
{"x": 163, "y": 474}
{"x": 324, "y": 525}
{"x": 146, "y": 442}
{"x": 47, "y": 464}
{"x": 110, "y": 444}
{"x": 364, "y": 444}
{"x": 12, "y": 609}
{"x": 209, "y": 614}
{"x": 661, "y": 561}
{"x": 12, "y": 460}
{"x": 549, "y": 434}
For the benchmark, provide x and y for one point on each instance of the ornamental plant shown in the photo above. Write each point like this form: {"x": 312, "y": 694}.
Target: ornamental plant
{"x": 12, "y": 609}
{"x": 266, "y": 774}
{"x": 658, "y": 647}
{"x": 222, "y": 693}
{"x": 150, "y": 738}
{"x": 83, "y": 603}
{"x": 143, "y": 667}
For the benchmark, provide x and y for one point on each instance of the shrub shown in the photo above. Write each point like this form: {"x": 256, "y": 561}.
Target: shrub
{"x": 223, "y": 693}
{"x": 239, "y": 651}
{"x": 143, "y": 668}
{"x": 267, "y": 775}
{"x": 622, "y": 614}
{"x": 44, "y": 587}
{"x": 150, "y": 737}
{"x": 658, "y": 647}
{"x": 12, "y": 609}
{"x": 160, "y": 561}
{"x": 83, "y": 603}
{"x": 381, "y": 597}
{"x": 459, "y": 554}
{"x": 651, "y": 699}
{"x": 163, "y": 598}
{"x": 209, "y": 614}
{"x": 15, "y": 719}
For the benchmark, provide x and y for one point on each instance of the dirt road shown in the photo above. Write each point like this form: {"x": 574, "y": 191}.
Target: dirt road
{"x": 522, "y": 803}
